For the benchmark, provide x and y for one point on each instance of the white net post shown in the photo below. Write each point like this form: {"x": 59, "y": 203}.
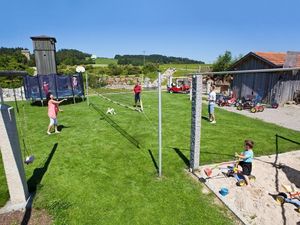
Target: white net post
{"x": 196, "y": 122}
{"x": 11, "y": 155}
{"x": 159, "y": 127}
{"x": 87, "y": 88}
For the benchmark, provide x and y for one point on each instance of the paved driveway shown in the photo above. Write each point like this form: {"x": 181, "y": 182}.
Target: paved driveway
{"x": 287, "y": 116}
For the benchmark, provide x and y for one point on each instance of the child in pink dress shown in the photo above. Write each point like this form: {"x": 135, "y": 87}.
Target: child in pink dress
{"x": 52, "y": 112}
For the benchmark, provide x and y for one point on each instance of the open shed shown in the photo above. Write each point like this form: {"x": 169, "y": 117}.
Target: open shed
{"x": 270, "y": 86}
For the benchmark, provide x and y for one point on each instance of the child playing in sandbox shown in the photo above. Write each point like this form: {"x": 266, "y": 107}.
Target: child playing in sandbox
{"x": 246, "y": 158}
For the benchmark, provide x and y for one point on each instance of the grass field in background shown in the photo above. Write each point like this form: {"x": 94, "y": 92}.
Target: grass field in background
{"x": 184, "y": 69}
{"x": 103, "y": 61}
{"x": 94, "y": 173}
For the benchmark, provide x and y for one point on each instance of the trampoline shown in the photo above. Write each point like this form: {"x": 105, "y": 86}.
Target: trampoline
{"x": 37, "y": 87}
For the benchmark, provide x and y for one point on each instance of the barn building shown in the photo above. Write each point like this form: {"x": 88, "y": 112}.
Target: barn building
{"x": 272, "y": 86}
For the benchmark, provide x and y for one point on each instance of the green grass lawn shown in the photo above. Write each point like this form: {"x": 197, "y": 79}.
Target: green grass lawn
{"x": 184, "y": 69}
{"x": 98, "y": 175}
{"x": 180, "y": 66}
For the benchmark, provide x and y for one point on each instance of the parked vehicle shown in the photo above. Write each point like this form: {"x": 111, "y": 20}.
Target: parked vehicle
{"x": 291, "y": 196}
{"x": 184, "y": 88}
{"x": 226, "y": 101}
{"x": 249, "y": 104}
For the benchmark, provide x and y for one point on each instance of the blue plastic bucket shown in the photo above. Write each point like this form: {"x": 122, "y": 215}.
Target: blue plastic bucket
{"x": 224, "y": 191}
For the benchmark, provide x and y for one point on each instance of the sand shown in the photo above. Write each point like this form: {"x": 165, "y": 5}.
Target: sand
{"x": 254, "y": 204}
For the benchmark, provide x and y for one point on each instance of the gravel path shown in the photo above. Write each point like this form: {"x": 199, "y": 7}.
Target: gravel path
{"x": 287, "y": 116}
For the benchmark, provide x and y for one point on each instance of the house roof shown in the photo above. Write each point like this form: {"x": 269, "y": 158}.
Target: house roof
{"x": 277, "y": 58}
{"x": 298, "y": 61}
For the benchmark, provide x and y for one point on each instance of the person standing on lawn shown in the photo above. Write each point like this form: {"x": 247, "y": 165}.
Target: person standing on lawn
{"x": 52, "y": 112}
{"x": 137, "y": 94}
{"x": 211, "y": 104}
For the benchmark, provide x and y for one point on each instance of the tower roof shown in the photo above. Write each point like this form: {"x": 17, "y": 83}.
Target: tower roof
{"x": 43, "y": 37}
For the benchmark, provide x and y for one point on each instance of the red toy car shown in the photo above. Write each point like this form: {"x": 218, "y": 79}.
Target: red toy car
{"x": 250, "y": 105}
{"x": 184, "y": 88}
{"x": 227, "y": 102}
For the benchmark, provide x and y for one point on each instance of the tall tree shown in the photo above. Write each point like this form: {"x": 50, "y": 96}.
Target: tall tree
{"x": 223, "y": 62}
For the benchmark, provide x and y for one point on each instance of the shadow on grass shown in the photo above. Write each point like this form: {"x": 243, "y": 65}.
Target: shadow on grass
{"x": 39, "y": 173}
{"x": 205, "y": 152}
{"x": 117, "y": 127}
{"x": 205, "y": 118}
{"x": 61, "y": 127}
{"x": 33, "y": 182}
{"x": 182, "y": 156}
{"x": 28, "y": 210}
{"x": 153, "y": 160}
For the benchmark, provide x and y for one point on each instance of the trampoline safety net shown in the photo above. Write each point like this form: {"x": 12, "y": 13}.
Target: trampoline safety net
{"x": 61, "y": 86}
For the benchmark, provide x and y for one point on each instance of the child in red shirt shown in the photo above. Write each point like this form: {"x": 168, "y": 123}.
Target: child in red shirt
{"x": 137, "y": 93}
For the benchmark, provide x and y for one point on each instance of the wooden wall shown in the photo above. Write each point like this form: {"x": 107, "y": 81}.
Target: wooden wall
{"x": 280, "y": 85}
{"x": 44, "y": 51}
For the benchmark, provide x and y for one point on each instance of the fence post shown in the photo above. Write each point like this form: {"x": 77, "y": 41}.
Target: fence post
{"x": 11, "y": 156}
{"x": 196, "y": 122}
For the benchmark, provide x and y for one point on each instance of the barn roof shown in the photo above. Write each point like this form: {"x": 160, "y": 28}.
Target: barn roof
{"x": 298, "y": 61}
{"x": 277, "y": 58}
{"x": 274, "y": 59}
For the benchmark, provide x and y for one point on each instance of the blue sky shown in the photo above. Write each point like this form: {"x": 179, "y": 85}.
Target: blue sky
{"x": 196, "y": 29}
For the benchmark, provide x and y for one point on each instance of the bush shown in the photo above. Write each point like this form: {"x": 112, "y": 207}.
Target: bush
{"x": 114, "y": 70}
{"x": 73, "y": 57}
{"x": 150, "y": 67}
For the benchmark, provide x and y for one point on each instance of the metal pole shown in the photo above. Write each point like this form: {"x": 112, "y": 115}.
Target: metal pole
{"x": 159, "y": 126}
{"x": 40, "y": 90}
{"x": 191, "y": 91}
{"x": 144, "y": 68}
{"x": 1, "y": 96}
{"x": 248, "y": 71}
{"x": 87, "y": 87}
{"x": 72, "y": 86}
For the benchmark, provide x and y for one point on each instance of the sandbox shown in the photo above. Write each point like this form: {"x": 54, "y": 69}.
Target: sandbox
{"x": 255, "y": 204}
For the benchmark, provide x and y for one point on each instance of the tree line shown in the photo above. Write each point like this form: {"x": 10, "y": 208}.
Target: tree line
{"x": 73, "y": 57}
{"x": 67, "y": 59}
{"x": 13, "y": 59}
{"x": 139, "y": 60}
